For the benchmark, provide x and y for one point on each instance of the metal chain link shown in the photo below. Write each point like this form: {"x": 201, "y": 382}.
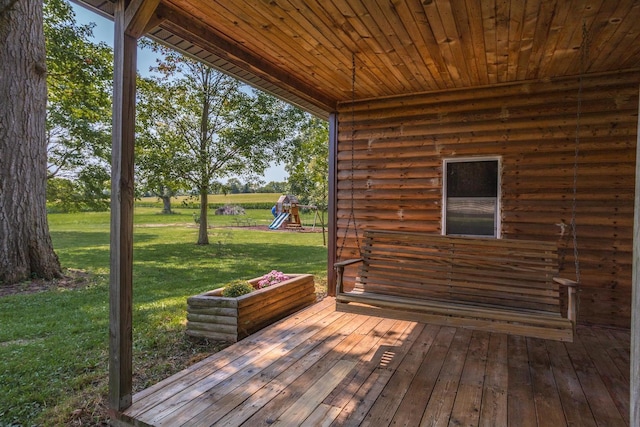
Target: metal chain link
{"x": 584, "y": 52}
{"x": 352, "y": 215}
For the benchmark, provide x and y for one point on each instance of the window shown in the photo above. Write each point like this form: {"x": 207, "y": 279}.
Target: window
{"x": 471, "y": 197}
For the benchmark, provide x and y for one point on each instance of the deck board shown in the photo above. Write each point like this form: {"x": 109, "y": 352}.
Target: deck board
{"x": 320, "y": 367}
{"x": 269, "y": 365}
{"x": 438, "y": 410}
{"x": 602, "y": 404}
{"x": 494, "y": 394}
{"x": 414, "y": 403}
{"x": 520, "y": 398}
{"x": 615, "y": 381}
{"x": 574, "y": 402}
{"x": 466, "y": 409}
{"x": 395, "y": 390}
{"x": 545, "y": 391}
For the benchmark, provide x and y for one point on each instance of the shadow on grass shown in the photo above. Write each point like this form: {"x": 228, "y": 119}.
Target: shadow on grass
{"x": 56, "y": 341}
{"x": 164, "y": 270}
{"x": 170, "y": 269}
{"x": 92, "y": 238}
{"x": 87, "y": 250}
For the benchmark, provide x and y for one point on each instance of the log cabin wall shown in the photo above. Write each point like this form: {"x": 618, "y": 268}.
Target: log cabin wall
{"x": 394, "y": 150}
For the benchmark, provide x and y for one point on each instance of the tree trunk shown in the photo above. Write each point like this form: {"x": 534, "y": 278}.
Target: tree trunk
{"x": 25, "y": 243}
{"x": 203, "y": 236}
{"x": 166, "y": 204}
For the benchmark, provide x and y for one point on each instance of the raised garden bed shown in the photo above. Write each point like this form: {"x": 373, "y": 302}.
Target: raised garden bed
{"x": 210, "y": 315}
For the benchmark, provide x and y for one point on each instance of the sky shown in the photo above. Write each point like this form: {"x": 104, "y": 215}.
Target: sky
{"x": 103, "y": 32}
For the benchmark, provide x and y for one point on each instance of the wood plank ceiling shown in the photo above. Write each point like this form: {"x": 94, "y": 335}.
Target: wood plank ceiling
{"x": 303, "y": 50}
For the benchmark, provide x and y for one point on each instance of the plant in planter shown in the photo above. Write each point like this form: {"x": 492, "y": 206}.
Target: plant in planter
{"x": 242, "y": 287}
{"x": 243, "y": 307}
{"x": 237, "y": 289}
{"x": 272, "y": 278}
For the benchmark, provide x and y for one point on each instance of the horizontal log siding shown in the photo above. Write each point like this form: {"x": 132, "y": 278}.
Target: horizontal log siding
{"x": 399, "y": 144}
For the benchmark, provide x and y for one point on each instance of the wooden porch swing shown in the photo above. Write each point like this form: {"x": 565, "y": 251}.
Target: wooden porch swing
{"x": 497, "y": 285}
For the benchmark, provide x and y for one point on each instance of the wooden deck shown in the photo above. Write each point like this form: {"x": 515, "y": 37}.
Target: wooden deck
{"x": 321, "y": 367}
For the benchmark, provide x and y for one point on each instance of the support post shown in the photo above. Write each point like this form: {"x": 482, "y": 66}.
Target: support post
{"x": 333, "y": 203}
{"x": 121, "y": 268}
{"x": 634, "y": 386}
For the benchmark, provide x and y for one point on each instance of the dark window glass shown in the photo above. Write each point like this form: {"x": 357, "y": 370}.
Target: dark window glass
{"x": 472, "y": 179}
{"x": 472, "y": 198}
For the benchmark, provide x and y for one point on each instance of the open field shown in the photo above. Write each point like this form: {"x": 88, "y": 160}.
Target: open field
{"x": 53, "y": 344}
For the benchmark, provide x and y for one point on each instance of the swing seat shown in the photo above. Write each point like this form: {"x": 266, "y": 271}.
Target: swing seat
{"x": 496, "y": 285}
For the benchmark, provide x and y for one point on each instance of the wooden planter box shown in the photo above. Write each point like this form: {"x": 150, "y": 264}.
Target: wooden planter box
{"x": 213, "y": 316}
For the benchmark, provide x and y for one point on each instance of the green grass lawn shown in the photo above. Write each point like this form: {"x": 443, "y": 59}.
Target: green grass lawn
{"x": 53, "y": 344}
{"x": 183, "y": 217}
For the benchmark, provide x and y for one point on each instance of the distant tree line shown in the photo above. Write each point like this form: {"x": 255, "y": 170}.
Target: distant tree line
{"x": 235, "y": 186}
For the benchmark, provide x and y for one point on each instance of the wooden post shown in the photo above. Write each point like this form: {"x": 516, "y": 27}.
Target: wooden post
{"x": 634, "y": 390}
{"x": 121, "y": 273}
{"x": 333, "y": 203}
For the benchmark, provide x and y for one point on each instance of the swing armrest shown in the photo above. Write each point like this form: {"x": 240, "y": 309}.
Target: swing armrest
{"x": 339, "y": 267}
{"x": 572, "y": 287}
{"x": 342, "y": 264}
{"x": 565, "y": 282}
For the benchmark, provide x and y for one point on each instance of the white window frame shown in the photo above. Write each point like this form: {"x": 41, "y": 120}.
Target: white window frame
{"x": 497, "y": 223}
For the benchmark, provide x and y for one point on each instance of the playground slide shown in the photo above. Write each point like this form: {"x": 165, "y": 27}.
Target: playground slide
{"x": 277, "y": 222}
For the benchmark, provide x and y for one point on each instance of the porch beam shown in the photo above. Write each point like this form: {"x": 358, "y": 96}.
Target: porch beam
{"x": 634, "y": 392}
{"x": 333, "y": 203}
{"x": 121, "y": 238}
{"x": 137, "y": 16}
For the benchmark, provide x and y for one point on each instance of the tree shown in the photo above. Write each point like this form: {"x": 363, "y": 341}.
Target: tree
{"x": 78, "y": 125}
{"x": 83, "y": 194}
{"x": 26, "y": 249}
{"x": 216, "y": 127}
{"x": 234, "y": 185}
{"x": 308, "y": 166}
{"x": 156, "y": 144}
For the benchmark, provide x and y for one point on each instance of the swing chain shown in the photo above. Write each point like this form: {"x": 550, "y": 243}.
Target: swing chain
{"x": 584, "y": 51}
{"x": 352, "y": 216}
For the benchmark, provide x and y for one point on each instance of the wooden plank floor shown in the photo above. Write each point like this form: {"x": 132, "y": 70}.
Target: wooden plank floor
{"x": 321, "y": 368}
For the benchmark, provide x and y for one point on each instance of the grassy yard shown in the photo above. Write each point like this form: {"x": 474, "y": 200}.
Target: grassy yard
{"x": 218, "y": 199}
{"x": 53, "y": 344}
{"x": 148, "y": 207}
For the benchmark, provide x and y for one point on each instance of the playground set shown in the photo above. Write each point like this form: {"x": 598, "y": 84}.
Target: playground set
{"x": 286, "y": 213}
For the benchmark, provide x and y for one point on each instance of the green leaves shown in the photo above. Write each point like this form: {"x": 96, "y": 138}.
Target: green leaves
{"x": 308, "y": 163}
{"x": 87, "y": 193}
{"x": 79, "y": 76}
{"x": 196, "y": 126}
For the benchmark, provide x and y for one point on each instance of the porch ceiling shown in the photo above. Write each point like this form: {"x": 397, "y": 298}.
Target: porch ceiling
{"x": 302, "y": 50}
